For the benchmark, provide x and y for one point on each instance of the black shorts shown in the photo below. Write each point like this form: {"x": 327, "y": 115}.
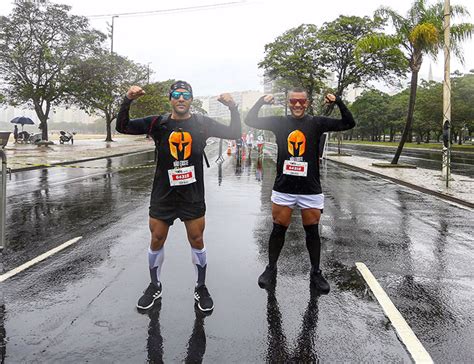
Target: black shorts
{"x": 168, "y": 212}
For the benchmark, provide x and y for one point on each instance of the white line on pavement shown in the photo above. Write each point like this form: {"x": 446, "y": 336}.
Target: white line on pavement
{"x": 405, "y": 333}
{"x": 38, "y": 259}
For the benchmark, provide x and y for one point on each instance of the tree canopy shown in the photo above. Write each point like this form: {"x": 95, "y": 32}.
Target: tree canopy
{"x": 100, "y": 83}
{"x": 417, "y": 34}
{"x": 294, "y": 57}
{"x": 38, "y": 44}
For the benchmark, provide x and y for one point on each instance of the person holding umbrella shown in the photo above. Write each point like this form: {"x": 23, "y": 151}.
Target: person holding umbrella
{"x": 23, "y": 135}
{"x": 15, "y": 133}
{"x": 22, "y": 120}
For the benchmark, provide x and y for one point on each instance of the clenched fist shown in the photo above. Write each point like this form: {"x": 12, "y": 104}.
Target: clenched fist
{"x": 226, "y": 99}
{"x": 268, "y": 99}
{"x": 135, "y": 92}
{"x": 329, "y": 99}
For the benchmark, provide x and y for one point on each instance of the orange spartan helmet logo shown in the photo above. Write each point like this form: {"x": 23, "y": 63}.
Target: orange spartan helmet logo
{"x": 180, "y": 144}
{"x": 296, "y": 143}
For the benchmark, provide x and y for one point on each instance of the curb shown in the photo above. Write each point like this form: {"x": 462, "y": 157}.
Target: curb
{"x": 23, "y": 169}
{"x": 408, "y": 184}
{"x": 334, "y": 145}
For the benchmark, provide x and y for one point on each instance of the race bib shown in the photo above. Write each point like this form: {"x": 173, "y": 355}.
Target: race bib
{"x": 182, "y": 176}
{"x": 295, "y": 168}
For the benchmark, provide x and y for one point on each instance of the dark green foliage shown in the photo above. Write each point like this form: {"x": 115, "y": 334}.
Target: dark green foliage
{"x": 38, "y": 44}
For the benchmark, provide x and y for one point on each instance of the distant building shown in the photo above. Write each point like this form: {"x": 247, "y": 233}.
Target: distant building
{"x": 245, "y": 100}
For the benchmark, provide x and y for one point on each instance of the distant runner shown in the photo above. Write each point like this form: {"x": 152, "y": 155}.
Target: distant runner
{"x": 260, "y": 145}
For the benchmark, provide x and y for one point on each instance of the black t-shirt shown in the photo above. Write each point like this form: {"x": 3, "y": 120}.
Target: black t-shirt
{"x": 298, "y": 146}
{"x": 180, "y": 145}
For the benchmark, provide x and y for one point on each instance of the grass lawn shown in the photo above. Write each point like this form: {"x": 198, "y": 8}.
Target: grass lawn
{"x": 437, "y": 146}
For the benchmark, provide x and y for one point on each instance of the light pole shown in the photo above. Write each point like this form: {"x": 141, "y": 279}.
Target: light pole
{"x": 112, "y": 34}
{"x": 446, "y": 167}
{"x": 3, "y": 189}
{"x": 148, "y": 73}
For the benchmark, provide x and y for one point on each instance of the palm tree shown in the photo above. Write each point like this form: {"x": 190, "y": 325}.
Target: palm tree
{"x": 418, "y": 34}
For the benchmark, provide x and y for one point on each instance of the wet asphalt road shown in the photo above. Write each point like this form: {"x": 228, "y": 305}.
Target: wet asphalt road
{"x": 461, "y": 162}
{"x": 79, "y": 306}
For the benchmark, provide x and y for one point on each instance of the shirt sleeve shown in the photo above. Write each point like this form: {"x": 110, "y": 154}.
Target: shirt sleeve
{"x": 232, "y": 131}
{"x": 253, "y": 120}
{"x": 134, "y": 126}
{"x": 346, "y": 121}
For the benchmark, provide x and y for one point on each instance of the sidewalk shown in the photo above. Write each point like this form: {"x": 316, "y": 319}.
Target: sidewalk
{"x": 26, "y": 156}
{"x": 461, "y": 188}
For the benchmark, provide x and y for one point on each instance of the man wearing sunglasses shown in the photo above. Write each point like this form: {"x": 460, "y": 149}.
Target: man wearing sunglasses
{"x": 178, "y": 187}
{"x": 297, "y": 181}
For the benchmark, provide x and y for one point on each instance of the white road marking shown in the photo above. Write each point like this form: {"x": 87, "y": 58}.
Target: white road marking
{"x": 38, "y": 259}
{"x": 404, "y": 332}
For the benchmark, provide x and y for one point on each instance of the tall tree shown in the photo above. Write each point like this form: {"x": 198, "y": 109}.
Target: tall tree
{"x": 101, "y": 82}
{"x": 38, "y": 43}
{"x": 370, "y": 110}
{"x": 463, "y": 104}
{"x": 397, "y": 112}
{"x": 429, "y": 109}
{"x": 338, "y": 44}
{"x": 294, "y": 58}
{"x": 418, "y": 34}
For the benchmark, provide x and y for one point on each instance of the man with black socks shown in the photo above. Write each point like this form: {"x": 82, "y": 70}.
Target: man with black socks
{"x": 297, "y": 182}
{"x": 178, "y": 187}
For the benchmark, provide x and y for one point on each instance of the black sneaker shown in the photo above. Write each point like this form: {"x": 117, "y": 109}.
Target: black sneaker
{"x": 319, "y": 282}
{"x": 268, "y": 277}
{"x": 150, "y": 295}
{"x": 203, "y": 299}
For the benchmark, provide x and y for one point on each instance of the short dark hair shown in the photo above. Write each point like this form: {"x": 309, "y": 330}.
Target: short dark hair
{"x": 298, "y": 89}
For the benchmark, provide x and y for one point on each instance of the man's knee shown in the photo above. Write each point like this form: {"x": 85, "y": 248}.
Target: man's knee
{"x": 311, "y": 216}
{"x": 158, "y": 237}
{"x": 278, "y": 231}
{"x": 196, "y": 241}
{"x": 282, "y": 216}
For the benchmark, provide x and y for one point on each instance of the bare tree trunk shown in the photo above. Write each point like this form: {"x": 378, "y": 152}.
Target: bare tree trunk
{"x": 43, "y": 117}
{"x": 409, "y": 121}
{"x": 44, "y": 130}
{"x": 108, "y": 124}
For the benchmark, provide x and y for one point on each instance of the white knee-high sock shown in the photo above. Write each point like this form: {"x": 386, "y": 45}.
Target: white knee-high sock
{"x": 155, "y": 262}
{"x": 199, "y": 258}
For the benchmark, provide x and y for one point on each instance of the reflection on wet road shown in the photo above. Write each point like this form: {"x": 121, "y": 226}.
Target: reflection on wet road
{"x": 79, "y": 306}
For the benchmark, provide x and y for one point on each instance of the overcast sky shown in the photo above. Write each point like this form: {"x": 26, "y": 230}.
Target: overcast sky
{"x": 218, "y": 49}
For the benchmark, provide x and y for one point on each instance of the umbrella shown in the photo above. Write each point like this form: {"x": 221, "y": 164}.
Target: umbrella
{"x": 22, "y": 120}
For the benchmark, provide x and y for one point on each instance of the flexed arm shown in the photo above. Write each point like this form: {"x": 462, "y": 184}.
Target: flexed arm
{"x": 345, "y": 123}
{"x": 252, "y": 118}
{"x": 134, "y": 126}
{"x": 232, "y": 131}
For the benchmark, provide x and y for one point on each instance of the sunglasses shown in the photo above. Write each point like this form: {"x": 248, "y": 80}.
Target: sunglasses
{"x": 293, "y": 102}
{"x": 177, "y": 94}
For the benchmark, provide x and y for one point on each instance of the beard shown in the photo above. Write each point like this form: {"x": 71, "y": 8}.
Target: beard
{"x": 181, "y": 111}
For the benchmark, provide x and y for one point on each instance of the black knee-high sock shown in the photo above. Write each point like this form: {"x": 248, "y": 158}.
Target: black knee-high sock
{"x": 275, "y": 244}
{"x": 313, "y": 244}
